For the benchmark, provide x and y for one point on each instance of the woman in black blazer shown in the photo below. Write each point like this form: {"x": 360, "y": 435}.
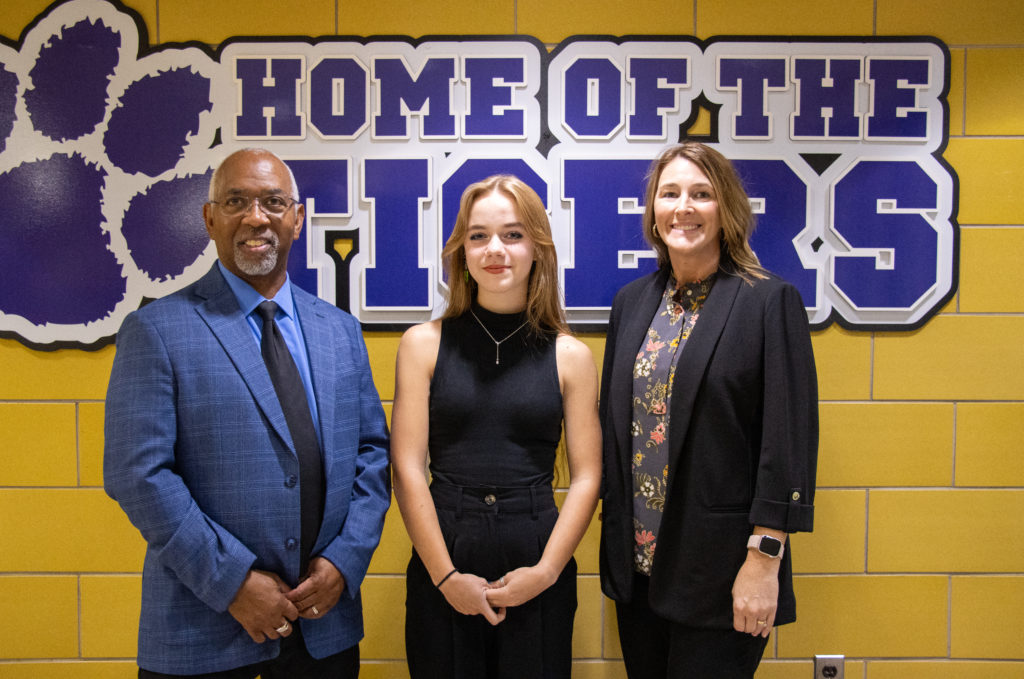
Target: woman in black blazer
{"x": 709, "y": 410}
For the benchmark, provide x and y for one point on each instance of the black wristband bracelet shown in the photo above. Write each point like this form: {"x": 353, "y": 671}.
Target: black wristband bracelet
{"x": 450, "y": 574}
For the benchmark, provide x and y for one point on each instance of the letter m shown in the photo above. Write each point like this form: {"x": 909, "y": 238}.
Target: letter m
{"x": 400, "y": 94}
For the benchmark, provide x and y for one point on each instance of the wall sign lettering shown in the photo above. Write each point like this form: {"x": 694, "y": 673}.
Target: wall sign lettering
{"x": 107, "y": 145}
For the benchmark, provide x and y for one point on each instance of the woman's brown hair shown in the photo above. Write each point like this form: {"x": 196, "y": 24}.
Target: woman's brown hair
{"x": 734, "y": 213}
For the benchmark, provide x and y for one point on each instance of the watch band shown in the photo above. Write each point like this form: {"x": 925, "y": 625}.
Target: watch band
{"x": 767, "y": 545}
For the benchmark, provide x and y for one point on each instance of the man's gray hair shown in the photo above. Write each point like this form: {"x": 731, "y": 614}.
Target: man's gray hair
{"x": 257, "y": 150}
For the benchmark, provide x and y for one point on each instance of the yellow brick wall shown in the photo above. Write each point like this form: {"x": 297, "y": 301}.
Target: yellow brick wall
{"x": 916, "y": 566}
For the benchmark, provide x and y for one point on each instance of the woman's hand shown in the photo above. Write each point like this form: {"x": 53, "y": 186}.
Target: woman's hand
{"x": 755, "y": 595}
{"x": 465, "y": 593}
{"x": 519, "y": 586}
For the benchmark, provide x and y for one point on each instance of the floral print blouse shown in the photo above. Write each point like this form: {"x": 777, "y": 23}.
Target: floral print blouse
{"x": 653, "y": 375}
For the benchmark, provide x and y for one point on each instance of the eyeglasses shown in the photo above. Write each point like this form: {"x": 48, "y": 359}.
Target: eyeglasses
{"x": 272, "y": 205}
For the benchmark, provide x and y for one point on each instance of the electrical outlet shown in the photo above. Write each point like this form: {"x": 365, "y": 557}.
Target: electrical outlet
{"x": 828, "y": 666}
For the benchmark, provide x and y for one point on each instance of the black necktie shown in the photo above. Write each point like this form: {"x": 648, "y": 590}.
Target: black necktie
{"x": 292, "y": 396}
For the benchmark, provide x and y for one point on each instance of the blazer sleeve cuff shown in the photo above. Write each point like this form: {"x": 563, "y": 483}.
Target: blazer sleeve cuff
{"x": 792, "y": 516}
{"x": 352, "y": 549}
{"x": 208, "y": 560}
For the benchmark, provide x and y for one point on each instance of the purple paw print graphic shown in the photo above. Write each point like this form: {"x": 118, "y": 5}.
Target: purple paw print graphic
{"x": 104, "y": 164}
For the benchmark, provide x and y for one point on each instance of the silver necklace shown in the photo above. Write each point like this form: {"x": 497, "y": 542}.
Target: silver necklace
{"x": 497, "y": 343}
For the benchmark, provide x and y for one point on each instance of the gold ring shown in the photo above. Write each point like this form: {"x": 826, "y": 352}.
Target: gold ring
{"x": 283, "y": 628}
{"x": 762, "y": 622}
{"x": 315, "y": 611}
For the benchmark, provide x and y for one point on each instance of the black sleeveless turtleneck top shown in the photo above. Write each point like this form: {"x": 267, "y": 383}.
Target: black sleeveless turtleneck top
{"x": 494, "y": 425}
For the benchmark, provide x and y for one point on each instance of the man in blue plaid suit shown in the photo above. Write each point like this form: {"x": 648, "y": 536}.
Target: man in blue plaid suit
{"x": 200, "y": 456}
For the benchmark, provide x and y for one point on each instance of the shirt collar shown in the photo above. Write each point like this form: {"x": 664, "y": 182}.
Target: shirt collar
{"x": 249, "y": 299}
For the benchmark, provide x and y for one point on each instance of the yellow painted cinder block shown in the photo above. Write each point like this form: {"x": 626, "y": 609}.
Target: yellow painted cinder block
{"x": 995, "y": 90}
{"x": 43, "y": 616}
{"x": 64, "y": 374}
{"x": 85, "y": 532}
{"x": 382, "y": 348}
{"x": 15, "y": 15}
{"x": 384, "y": 618}
{"x": 950, "y": 306}
{"x": 990, "y": 275}
{"x": 555, "y": 21}
{"x": 392, "y": 555}
{"x": 595, "y": 341}
{"x": 376, "y": 669}
{"x": 110, "y": 615}
{"x": 843, "y": 360}
{"x": 147, "y": 10}
{"x": 588, "y": 628}
{"x": 791, "y": 669}
{"x": 983, "y": 611}
{"x": 211, "y": 23}
{"x": 782, "y": 669}
{"x": 944, "y": 669}
{"x": 610, "y": 645}
{"x": 770, "y": 649}
{"x": 410, "y": 17}
{"x": 988, "y": 444}
{"x": 90, "y": 444}
{"x": 73, "y": 669}
{"x": 955, "y": 96}
{"x": 38, "y": 444}
{"x": 858, "y": 616}
{"x": 837, "y": 543}
{"x": 587, "y": 551}
{"x": 991, "y": 171}
{"x": 886, "y": 444}
{"x": 952, "y": 358}
{"x": 598, "y": 669}
{"x": 947, "y": 531}
{"x": 784, "y": 17}
{"x": 989, "y": 22}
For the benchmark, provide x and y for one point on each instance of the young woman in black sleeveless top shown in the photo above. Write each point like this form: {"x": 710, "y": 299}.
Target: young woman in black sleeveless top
{"x": 486, "y": 390}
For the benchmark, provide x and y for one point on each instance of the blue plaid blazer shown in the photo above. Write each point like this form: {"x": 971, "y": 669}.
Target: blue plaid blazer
{"x": 199, "y": 456}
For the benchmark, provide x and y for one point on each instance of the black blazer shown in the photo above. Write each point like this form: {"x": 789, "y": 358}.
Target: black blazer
{"x": 743, "y": 441}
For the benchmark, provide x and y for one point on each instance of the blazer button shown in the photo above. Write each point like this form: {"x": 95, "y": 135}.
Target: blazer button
{"x": 291, "y": 481}
{"x": 796, "y": 496}
{"x": 291, "y": 544}
{"x": 489, "y": 499}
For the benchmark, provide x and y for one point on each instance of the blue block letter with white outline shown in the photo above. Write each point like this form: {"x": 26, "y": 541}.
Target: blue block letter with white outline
{"x": 270, "y": 97}
{"x": 397, "y": 189}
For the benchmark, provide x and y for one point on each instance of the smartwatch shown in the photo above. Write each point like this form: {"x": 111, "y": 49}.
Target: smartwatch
{"x": 767, "y": 545}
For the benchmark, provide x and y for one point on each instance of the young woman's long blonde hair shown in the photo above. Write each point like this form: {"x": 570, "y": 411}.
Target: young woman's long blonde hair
{"x": 544, "y": 309}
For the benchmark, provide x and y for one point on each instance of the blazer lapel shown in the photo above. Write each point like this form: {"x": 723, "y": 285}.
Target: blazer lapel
{"x": 693, "y": 362}
{"x": 319, "y": 348}
{"x": 219, "y": 309}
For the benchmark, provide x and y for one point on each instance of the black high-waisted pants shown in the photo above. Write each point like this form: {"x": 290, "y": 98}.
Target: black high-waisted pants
{"x": 489, "y": 532}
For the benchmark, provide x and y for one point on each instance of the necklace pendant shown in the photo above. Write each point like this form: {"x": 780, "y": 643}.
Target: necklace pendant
{"x": 497, "y": 343}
